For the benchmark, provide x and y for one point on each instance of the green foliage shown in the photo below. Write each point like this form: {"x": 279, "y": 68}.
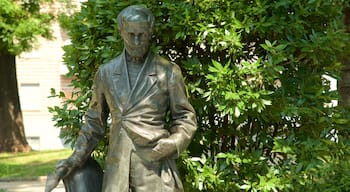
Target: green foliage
{"x": 21, "y": 22}
{"x": 255, "y": 71}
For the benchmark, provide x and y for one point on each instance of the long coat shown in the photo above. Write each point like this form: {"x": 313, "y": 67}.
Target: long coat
{"x": 138, "y": 116}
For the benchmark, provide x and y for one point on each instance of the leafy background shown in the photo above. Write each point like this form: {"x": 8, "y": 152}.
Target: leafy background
{"x": 255, "y": 73}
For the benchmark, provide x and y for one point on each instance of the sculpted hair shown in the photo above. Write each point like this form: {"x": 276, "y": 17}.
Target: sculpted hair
{"x": 135, "y": 13}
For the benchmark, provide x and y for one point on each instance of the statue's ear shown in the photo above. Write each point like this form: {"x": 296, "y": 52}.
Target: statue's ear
{"x": 121, "y": 32}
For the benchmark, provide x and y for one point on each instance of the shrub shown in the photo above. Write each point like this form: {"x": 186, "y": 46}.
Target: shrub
{"x": 255, "y": 72}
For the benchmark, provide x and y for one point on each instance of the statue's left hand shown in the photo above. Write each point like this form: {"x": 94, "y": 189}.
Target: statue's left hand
{"x": 164, "y": 148}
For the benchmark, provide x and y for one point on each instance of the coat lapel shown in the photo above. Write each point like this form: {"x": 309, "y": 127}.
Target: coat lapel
{"x": 121, "y": 82}
{"x": 145, "y": 81}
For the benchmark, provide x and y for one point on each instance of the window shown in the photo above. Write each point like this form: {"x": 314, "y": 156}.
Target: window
{"x": 30, "y": 96}
{"x": 34, "y": 142}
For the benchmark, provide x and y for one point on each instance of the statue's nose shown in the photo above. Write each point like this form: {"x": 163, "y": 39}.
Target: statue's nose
{"x": 137, "y": 40}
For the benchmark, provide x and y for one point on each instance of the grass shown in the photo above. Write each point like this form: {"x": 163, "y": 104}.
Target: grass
{"x": 31, "y": 164}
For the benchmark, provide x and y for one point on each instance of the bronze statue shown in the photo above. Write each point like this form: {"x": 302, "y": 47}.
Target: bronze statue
{"x": 86, "y": 178}
{"x": 138, "y": 89}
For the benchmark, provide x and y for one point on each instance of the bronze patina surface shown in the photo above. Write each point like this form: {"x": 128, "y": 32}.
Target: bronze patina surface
{"x": 138, "y": 89}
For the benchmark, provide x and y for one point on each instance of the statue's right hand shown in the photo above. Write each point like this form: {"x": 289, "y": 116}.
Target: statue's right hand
{"x": 64, "y": 167}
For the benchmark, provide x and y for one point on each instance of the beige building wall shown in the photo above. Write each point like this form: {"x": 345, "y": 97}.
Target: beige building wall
{"x": 38, "y": 72}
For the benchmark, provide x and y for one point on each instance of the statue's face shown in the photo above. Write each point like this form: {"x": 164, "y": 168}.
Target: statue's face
{"x": 136, "y": 36}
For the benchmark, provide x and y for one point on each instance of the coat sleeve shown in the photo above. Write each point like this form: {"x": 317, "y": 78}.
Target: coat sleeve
{"x": 183, "y": 118}
{"x": 95, "y": 124}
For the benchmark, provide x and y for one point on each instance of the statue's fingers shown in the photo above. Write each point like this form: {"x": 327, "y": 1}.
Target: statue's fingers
{"x": 51, "y": 182}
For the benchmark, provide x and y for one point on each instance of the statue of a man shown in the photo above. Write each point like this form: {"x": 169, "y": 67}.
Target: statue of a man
{"x": 138, "y": 89}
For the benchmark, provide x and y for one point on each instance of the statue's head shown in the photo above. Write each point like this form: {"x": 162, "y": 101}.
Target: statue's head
{"x": 136, "y": 25}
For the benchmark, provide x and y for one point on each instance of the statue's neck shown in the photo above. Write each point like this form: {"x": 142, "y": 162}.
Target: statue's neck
{"x": 135, "y": 60}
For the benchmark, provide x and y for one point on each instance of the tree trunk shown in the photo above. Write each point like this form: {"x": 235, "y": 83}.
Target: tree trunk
{"x": 12, "y": 137}
{"x": 344, "y": 82}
